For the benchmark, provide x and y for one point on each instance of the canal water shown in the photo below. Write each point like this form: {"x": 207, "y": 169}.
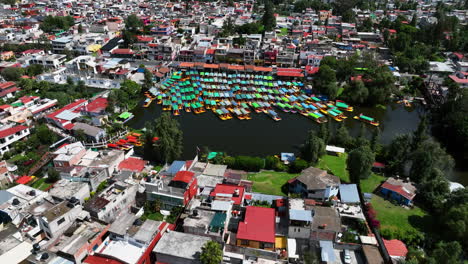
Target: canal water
{"x": 261, "y": 136}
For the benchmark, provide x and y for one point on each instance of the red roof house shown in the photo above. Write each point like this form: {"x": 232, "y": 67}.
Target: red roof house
{"x": 237, "y": 192}
{"x": 132, "y": 164}
{"x": 396, "y": 248}
{"x": 258, "y": 228}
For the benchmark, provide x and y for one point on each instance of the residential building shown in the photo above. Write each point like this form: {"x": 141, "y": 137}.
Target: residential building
{"x": 11, "y": 134}
{"x": 258, "y": 228}
{"x": 69, "y": 155}
{"x": 92, "y": 133}
{"x": 400, "y": 190}
{"x": 59, "y": 45}
{"x": 57, "y": 219}
{"x": 65, "y": 189}
{"x": 315, "y": 183}
{"x": 16, "y": 200}
{"x": 112, "y": 201}
{"x": 349, "y": 194}
{"x": 172, "y": 191}
{"x": 130, "y": 241}
{"x": 180, "y": 248}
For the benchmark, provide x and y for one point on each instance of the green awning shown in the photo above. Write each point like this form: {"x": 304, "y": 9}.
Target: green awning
{"x": 125, "y": 115}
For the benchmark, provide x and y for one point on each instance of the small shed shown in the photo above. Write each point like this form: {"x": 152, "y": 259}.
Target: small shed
{"x": 287, "y": 158}
{"x": 333, "y": 150}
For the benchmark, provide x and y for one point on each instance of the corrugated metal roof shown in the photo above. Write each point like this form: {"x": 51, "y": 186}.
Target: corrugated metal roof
{"x": 300, "y": 215}
{"x": 349, "y": 193}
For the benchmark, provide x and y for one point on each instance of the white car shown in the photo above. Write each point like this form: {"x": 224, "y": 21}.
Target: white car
{"x": 347, "y": 256}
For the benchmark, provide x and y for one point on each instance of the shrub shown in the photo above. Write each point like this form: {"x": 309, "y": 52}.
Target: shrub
{"x": 271, "y": 162}
{"x": 298, "y": 165}
{"x": 229, "y": 161}
{"x": 249, "y": 163}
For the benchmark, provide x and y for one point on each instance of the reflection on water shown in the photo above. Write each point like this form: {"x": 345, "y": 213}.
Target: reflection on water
{"x": 262, "y": 136}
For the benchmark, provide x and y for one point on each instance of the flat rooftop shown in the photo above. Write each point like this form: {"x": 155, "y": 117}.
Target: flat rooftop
{"x": 326, "y": 219}
{"x": 57, "y": 211}
{"x": 180, "y": 245}
{"x": 124, "y": 251}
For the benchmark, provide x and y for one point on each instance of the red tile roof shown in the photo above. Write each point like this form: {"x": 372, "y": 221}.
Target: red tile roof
{"x": 94, "y": 259}
{"x": 229, "y": 189}
{"x": 184, "y": 176}
{"x": 7, "y": 91}
{"x": 12, "y": 130}
{"x": 123, "y": 51}
{"x": 67, "y": 107}
{"x": 396, "y": 248}
{"x": 398, "y": 189}
{"x": 6, "y": 85}
{"x": 69, "y": 126}
{"x": 458, "y": 80}
{"x": 24, "y": 179}
{"x": 96, "y": 106}
{"x": 258, "y": 225}
{"x": 132, "y": 164}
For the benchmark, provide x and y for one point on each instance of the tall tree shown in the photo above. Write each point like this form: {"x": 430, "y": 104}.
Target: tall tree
{"x": 211, "y": 253}
{"x": 420, "y": 135}
{"x": 313, "y": 148}
{"x": 397, "y": 153}
{"x": 269, "y": 19}
{"x": 447, "y": 253}
{"x": 148, "y": 81}
{"x": 359, "y": 163}
{"x": 326, "y": 81}
{"x": 170, "y": 137}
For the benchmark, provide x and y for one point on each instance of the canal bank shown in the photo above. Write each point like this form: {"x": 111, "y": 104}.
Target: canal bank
{"x": 262, "y": 136}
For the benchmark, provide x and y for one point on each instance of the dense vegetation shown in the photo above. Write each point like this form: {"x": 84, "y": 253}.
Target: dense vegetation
{"x": 14, "y": 74}
{"x": 168, "y": 147}
{"x": 64, "y": 93}
{"x": 53, "y": 23}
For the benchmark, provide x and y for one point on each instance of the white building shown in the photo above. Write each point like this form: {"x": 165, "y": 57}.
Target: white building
{"x": 9, "y": 135}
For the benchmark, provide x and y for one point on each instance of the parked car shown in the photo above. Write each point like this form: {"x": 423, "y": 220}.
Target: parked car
{"x": 347, "y": 256}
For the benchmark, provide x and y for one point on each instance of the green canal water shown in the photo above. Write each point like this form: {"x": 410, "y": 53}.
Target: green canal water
{"x": 262, "y": 136}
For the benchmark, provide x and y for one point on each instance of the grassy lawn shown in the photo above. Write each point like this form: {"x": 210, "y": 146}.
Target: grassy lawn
{"x": 284, "y": 32}
{"x": 41, "y": 184}
{"x": 370, "y": 184}
{"x": 397, "y": 219}
{"x": 270, "y": 182}
{"x": 336, "y": 165}
{"x": 153, "y": 216}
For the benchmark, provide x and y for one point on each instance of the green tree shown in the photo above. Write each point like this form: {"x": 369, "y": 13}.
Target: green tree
{"x": 359, "y": 163}
{"x": 356, "y": 92}
{"x": 420, "y": 135}
{"x": 52, "y": 175}
{"x": 325, "y": 81}
{"x": 211, "y": 253}
{"x": 426, "y": 158}
{"x": 313, "y": 148}
{"x": 148, "y": 81}
{"x": 456, "y": 222}
{"x": 397, "y": 153}
{"x": 34, "y": 70}
{"x": 342, "y": 137}
{"x": 298, "y": 165}
{"x": 447, "y": 253}
{"x": 12, "y": 74}
{"x": 170, "y": 137}
{"x": 269, "y": 19}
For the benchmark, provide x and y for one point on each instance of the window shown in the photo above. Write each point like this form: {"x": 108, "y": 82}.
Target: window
{"x": 59, "y": 222}
{"x": 244, "y": 242}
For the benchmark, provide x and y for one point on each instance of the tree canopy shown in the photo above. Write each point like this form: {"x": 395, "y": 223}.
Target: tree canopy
{"x": 211, "y": 253}
{"x": 359, "y": 163}
{"x": 52, "y": 23}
